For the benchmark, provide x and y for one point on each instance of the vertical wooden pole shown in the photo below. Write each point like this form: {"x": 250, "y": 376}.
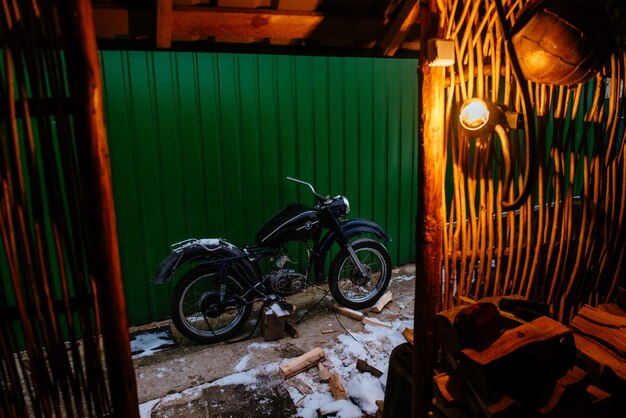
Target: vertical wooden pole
{"x": 86, "y": 88}
{"x": 429, "y": 239}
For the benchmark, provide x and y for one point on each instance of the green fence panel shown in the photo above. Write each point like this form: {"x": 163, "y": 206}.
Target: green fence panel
{"x": 201, "y": 144}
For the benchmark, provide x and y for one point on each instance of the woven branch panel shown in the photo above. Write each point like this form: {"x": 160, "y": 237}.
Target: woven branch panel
{"x": 565, "y": 244}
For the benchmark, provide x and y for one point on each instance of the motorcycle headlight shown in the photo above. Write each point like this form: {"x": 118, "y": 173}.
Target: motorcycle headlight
{"x": 346, "y": 205}
{"x": 339, "y": 206}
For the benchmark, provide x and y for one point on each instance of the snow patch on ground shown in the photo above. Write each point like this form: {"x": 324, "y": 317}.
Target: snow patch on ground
{"x": 373, "y": 345}
{"x": 148, "y": 343}
{"x": 403, "y": 278}
{"x": 242, "y": 364}
{"x": 249, "y": 378}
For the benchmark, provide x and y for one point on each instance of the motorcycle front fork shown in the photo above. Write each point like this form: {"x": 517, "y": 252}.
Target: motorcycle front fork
{"x": 356, "y": 260}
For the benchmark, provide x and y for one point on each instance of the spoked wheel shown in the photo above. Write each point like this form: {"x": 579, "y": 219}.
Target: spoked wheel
{"x": 349, "y": 286}
{"x": 206, "y": 308}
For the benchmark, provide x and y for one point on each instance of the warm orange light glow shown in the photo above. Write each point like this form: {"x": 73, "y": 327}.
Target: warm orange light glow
{"x": 474, "y": 114}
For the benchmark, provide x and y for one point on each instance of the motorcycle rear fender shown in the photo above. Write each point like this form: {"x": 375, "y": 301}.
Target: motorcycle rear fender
{"x": 351, "y": 228}
{"x": 209, "y": 250}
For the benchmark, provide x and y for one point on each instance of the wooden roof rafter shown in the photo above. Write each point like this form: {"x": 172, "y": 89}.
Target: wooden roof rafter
{"x": 344, "y": 27}
{"x": 398, "y": 31}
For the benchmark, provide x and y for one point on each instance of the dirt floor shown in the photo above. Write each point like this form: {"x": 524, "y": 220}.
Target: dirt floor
{"x": 242, "y": 379}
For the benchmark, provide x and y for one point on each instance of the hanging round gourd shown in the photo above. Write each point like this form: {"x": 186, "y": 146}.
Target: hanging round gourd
{"x": 562, "y": 42}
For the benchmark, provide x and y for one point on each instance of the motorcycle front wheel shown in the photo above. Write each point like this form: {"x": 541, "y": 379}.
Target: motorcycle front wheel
{"x": 349, "y": 286}
{"x": 208, "y": 308}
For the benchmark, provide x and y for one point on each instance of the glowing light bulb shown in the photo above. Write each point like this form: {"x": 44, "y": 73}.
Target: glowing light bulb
{"x": 474, "y": 114}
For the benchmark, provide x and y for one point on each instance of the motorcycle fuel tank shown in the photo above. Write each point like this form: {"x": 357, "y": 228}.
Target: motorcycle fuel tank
{"x": 294, "y": 223}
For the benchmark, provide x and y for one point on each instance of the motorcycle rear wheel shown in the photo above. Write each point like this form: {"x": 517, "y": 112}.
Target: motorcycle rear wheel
{"x": 347, "y": 284}
{"x": 206, "y": 311}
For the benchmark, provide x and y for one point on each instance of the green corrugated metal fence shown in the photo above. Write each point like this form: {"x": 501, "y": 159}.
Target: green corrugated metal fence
{"x": 201, "y": 143}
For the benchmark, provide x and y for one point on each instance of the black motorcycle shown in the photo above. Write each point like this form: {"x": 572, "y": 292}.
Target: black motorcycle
{"x": 214, "y": 298}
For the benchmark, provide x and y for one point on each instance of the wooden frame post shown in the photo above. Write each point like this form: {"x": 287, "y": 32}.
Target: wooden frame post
{"x": 428, "y": 258}
{"x": 86, "y": 84}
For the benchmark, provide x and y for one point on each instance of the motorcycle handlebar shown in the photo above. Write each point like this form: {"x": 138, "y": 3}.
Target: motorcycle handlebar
{"x": 316, "y": 194}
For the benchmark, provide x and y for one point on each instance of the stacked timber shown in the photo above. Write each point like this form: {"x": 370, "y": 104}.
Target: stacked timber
{"x": 500, "y": 365}
{"x": 600, "y": 335}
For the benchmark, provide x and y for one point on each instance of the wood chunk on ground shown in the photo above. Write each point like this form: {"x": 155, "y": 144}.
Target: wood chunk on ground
{"x": 408, "y": 335}
{"x": 304, "y": 362}
{"x": 382, "y": 302}
{"x": 364, "y": 367}
{"x": 350, "y": 313}
{"x": 376, "y": 322}
{"x": 336, "y": 387}
{"x": 323, "y": 372}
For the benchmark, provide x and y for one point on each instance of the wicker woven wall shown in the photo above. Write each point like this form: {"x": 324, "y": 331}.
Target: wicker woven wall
{"x": 565, "y": 244}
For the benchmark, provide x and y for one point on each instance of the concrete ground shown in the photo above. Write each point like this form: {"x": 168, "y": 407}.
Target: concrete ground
{"x": 166, "y": 379}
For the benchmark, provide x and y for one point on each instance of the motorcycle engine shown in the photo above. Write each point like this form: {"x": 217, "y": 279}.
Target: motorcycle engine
{"x": 286, "y": 282}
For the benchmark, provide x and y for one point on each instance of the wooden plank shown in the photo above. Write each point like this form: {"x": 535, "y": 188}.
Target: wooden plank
{"x": 495, "y": 405}
{"x": 524, "y": 363}
{"x": 364, "y": 367}
{"x": 612, "y": 309}
{"x": 539, "y": 330}
{"x": 323, "y": 372}
{"x": 336, "y": 387}
{"x": 380, "y": 404}
{"x": 329, "y": 410}
{"x": 272, "y": 327}
{"x": 604, "y": 404}
{"x": 84, "y": 74}
{"x": 164, "y": 24}
{"x": 399, "y": 28}
{"x": 449, "y": 391}
{"x": 302, "y": 363}
{"x": 568, "y": 388}
{"x": 382, "y": 302}
{"x": 299, "y": 385}
{"x": 600, "y": 361}
{"x": 614, "y": 338}
{"x": 408, "y": 335}
{"x": 601, "y": 317}
{"x": 291, "y": 330}
{"x": 350, "y": 313}
{"x": 113, "y": 21}
{"x": 376, "y": 322}
{"x": 278, "y": 310}
{"x": 430, "y": 222}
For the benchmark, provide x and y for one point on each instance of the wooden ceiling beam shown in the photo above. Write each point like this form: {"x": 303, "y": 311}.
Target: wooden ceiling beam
{"x": 199, "y": 23}
{"x": 399, "y": 28}
{"x": 164, "y": 24}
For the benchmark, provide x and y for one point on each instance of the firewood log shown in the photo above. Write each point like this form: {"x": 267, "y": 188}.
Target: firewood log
{"x": 336, "y": 387}
{"x": 605, "y": 366}
{"x": 302, "y": 363}
{"x": 601, "y": 317}
{"x": 323, "y": 372}
{"x": 364, "y": 367}
{"x": 382, "y": 302}
{"x": 350, "y": 313}
{"x": 570, "y": 387}
{"x": 523, "y": 363}
{"x": 614, "y": 338}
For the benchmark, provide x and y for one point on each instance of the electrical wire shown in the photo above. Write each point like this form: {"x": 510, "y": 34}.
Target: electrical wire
{"x": 336, "y": 317}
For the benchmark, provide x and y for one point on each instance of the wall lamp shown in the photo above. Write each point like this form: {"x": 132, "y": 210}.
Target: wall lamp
{"x": 479, "y": 117}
